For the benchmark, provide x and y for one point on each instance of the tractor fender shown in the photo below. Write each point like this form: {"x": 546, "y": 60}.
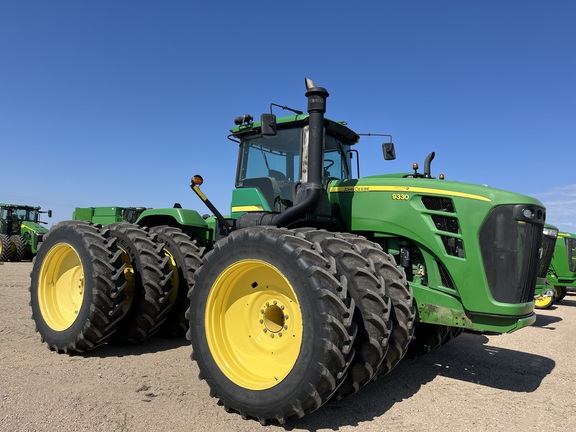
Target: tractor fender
{"x": 172, "y": 217}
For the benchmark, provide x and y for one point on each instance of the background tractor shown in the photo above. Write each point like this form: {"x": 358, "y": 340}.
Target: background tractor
{"x": 562, "y": 271}
{"x": 545, "y": 294}
{"x": 20, "y": 231}
{"x": 315, "y": 284}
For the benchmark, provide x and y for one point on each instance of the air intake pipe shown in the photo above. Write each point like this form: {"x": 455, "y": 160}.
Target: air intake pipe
{"x": 427, "y": 163}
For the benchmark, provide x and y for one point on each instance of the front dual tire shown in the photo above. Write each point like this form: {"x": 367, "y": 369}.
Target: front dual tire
{"x": 271, "y": 325}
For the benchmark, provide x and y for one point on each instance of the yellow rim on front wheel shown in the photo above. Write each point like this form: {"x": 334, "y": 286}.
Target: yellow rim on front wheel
{"x": 253, "y": 324}
{"x": 61, "y": 287}
{"x": 543, "y": 302}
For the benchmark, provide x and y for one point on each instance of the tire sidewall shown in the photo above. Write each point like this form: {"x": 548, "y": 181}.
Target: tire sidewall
{"x": 75, "y": 240}
{"x": 312, "y": 346}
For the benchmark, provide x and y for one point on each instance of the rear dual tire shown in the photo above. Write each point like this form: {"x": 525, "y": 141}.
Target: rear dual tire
{"x": 91, "y": 285}
{"x": 77, "y": 287}
{"x": 185, "y": 258}
{"x": 149, "y": 288}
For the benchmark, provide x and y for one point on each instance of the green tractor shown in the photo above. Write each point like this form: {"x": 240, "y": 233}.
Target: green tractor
{"x": 20, "y": 231}
{"x": 314, "y": 285}
{"x": 562, "y": 271}
{"x": 545, "y": 295}
{"x": 107, "y": 215}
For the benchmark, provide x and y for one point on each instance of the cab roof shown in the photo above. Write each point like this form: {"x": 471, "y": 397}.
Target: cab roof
{"x": 335, "y": 128}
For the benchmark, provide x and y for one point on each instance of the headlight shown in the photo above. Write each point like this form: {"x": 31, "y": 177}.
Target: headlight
{"x": 550, "y": 232}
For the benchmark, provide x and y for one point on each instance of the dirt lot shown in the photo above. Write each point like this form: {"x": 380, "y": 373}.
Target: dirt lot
{"x": 516, "y": 382}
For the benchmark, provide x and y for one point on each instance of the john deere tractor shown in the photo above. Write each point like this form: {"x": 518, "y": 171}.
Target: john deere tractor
{"x": 562, "y": 271}
{"x": 20, "y": 231}
{"x": 545, "y": 295}
{"x": 315, "y": 284}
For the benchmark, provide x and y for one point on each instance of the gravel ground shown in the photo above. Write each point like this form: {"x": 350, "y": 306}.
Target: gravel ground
{"x": 517, "y": 382}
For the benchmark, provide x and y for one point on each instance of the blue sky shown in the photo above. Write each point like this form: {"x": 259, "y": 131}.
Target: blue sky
{"x": 121, "y": 102}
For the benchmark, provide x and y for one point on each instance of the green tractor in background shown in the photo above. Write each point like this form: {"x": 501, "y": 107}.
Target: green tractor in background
{"x": 314, "y": 285}
{"x": 545, "y": 295}
{"x": 562, "y": 271}
{"x": 20, "y": 231}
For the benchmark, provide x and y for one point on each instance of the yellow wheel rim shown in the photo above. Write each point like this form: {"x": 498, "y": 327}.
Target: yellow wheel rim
{"x": 543, "y": 302}
{"x": 61, "y": 287}
{"x": 253, "y": 324}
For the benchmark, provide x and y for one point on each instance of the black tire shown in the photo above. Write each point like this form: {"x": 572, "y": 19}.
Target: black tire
{"x": 255, "y": 284}
{"x": 77, "y": 321}
{"x": 149, "y": 286}
{"x": 18, "y": 248}
{"x": 187, "y": 258}
{"x": 427, "y": 338}
{"x": 400, "y": 293}
{"x": 373, "y": 307}
{"x": 560, "y": 293}
{"x": 5, "y": 248}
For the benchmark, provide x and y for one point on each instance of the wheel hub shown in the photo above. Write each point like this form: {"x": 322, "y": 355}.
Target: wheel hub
{"x": 273, "y": 318}
{"x": 253, "y": 324}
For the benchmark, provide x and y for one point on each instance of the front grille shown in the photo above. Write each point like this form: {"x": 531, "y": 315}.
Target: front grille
{"x": 438, "y": 204}
{"x": 571, "y": 251}
{"x": 445, "y": 276}
{"x": 509, "y": 243}
{"x": 548, "y": 244}
{"x": 454, "y": 246}
{"x": 448, "y": 224}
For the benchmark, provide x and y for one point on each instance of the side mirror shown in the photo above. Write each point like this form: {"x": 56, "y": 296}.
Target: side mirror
{"x": 388, "y": 151}
{"x": 268, "y": 123}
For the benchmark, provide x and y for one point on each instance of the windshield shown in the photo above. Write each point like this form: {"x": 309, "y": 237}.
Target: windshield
{"x": 25, "y": 214}
{"x": 278, "y": 157}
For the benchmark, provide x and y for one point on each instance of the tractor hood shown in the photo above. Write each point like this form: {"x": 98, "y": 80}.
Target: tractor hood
{"x": 400, "y": 183}
{"x": 33, "y": 227}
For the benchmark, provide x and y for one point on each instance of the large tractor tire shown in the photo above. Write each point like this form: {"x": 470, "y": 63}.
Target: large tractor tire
{"x": 397, "y": 289}
{"x": 185, "y": 259}
{"x": 373, "y": 307}
{"x": 271, "y": 325}
{"x": 5, "y": 248}
{"x": 77, "y": 287}
{"x": 18, "y": 245}
{"x": 149, "y": 287}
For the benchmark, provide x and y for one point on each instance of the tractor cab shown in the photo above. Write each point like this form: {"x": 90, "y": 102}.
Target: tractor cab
{"x": 11, "y": 218}
{"x": 20, "y": 231}
{"x": 273, "y": 164}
